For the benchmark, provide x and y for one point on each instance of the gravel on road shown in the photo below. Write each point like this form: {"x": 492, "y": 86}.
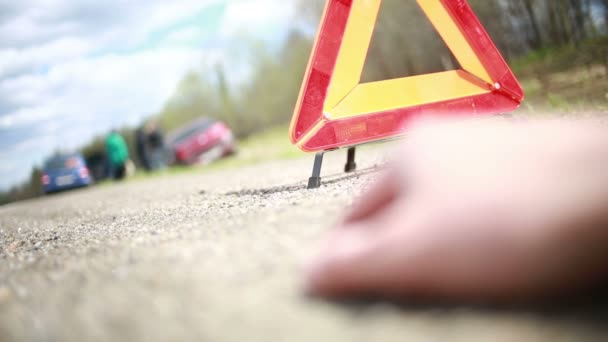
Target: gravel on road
{"x": 216, "y": 256}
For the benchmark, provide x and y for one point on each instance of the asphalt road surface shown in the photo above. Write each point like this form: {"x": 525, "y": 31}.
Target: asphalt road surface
{"x": 216, "y": 257}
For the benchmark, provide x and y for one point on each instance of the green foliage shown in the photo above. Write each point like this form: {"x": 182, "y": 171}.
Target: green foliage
{"x": 554, "y": 59}
{"x": 195, "y": 96}
{"x": 266, "y": 100}
{"x": 30, "y": 189}
{"x": 270, "y": 97}
{"x": 557, "y": 101}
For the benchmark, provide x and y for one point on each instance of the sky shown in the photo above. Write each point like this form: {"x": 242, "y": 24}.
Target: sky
{"x": 71, "y": 69}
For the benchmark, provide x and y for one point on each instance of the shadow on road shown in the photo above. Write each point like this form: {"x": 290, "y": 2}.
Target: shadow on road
{"x": 330, "y": 179}
{"x": 589, "y": 309}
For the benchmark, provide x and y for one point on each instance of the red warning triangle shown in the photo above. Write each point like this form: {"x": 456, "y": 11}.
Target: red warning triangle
{"x": 335, "y": 110}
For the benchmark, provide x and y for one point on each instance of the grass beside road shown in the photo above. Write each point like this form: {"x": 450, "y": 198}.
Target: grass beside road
{"x": 566, "y": 79}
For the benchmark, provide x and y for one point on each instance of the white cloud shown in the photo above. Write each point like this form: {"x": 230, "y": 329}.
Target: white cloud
{"x": 184, "y": 36}
{"x": 111, "y": 88}
{"x": 15, "y": 61}
{"x": 263, "y": 15}
{"x": 37, "y": 21}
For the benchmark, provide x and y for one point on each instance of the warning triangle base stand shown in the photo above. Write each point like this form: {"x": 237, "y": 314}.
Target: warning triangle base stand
{"x": 350, "y": 166}
{"x": 314, "y": 182}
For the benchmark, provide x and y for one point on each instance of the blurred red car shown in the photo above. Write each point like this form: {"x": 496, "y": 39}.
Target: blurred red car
{"x": 201, "y": 141}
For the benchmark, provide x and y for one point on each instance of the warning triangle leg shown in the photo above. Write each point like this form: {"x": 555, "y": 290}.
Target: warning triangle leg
{"x": 350, "y": 166}
{"x": 314, "y": 182}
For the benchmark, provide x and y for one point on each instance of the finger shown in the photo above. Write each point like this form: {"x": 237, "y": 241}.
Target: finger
{"x": 375, "y": 199}
{"x": 414, "y": 257}
{"x": 336, "y": 270}
{"x": 361, "y": 259}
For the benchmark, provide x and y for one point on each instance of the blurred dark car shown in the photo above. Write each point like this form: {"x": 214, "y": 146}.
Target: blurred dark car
{"x": 201, "y": 141}
{"x": 97, "y": 162}
{"x": 64, "y": 172}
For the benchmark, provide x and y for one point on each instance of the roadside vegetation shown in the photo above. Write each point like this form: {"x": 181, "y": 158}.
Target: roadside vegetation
{"x": 557, "y": 48}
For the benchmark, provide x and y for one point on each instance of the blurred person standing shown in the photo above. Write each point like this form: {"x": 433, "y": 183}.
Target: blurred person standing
{"x": 140, "y": 144}
{"x": 151, "y": 146}
{"x": 117, "y": 154}
{"x": 156, "y": 145}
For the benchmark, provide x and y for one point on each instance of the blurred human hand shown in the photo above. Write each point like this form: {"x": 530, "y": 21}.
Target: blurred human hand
{"x": 476, "y": 210}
